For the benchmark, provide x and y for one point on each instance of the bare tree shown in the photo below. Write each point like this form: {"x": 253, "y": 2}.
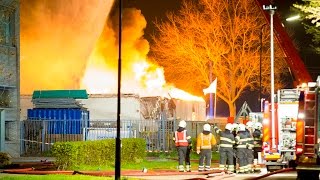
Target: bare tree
{"x": 221, "y": 38}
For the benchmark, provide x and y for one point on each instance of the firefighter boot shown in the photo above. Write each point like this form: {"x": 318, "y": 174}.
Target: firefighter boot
{"x": 181, "y": 168}
{"x": 256, "y": 167}
{"x": 201, "y": 168}
{"x": 188, "y": 168}
{"x": 207, "y": 168}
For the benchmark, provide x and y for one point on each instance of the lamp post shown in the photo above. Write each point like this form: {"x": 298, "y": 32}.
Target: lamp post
{"x": 118, "y": 138}
{"x": 293, "y": 18}
{"x": 260, "y": 70}
{"x": 271, "y": 10}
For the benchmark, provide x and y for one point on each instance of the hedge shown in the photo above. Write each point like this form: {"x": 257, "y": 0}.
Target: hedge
{"x": 97, "y": 153}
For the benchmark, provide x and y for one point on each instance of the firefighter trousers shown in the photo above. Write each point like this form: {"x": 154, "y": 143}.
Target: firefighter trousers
{"x": 226, "y": 156}
{"x": 249, "y": 159}
{"x": 242, "y": 156}
{"x": 255, "y": 152}
{"x": 182, "y": 154}
{"x": 188, "y": 155}
{"x": 205, "y": 155}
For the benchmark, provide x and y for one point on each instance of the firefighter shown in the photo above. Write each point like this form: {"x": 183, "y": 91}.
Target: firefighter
{"x": 235, "y": 127}
{"x": 249, "y": 131}
{"x": 182, "y": 142}
{"x": 226, "y": 148}
{"x": 241, "y": 141}
{"x": 205, "y": 142}
{"x": 257, "y": 143}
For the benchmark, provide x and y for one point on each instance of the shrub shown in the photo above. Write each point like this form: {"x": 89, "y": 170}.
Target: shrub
{"x": 4, "y": 159}
{"x": 97, "y": 153}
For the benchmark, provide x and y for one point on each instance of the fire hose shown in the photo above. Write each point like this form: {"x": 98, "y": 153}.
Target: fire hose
{"x": 272, "y": 173}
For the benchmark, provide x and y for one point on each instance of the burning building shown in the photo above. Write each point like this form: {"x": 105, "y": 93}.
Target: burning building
{"x": 72, "y": 45}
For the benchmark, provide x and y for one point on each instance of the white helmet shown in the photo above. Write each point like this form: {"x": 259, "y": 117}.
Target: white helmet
{"x": 258, "y": 125}
{"x": 206, "y": 127}
{"x": 242, "y": 127}
{"x": 182, "y": 124}
{"x": 235, "y": 126}
{"x": 249, "y": 124}
{"x": 229, "y": 127}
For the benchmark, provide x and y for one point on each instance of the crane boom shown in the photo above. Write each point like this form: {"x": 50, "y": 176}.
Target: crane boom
{"x": 294, "y": 61}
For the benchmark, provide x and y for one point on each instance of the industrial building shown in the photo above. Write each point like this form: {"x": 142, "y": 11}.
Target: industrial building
{"x": 9, "y": 77}
{"x": 49, "y": 116}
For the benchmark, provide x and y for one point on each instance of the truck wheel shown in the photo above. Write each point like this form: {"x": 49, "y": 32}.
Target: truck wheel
{"x": 307, "y": 175}
{"x": 292, "y": 164}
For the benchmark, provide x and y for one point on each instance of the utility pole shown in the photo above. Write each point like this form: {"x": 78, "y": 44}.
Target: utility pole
{"x": 118, "y": 138}
{"x": 272, "y": 9}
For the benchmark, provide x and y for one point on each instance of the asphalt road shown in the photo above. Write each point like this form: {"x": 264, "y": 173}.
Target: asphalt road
{"x": 282, "y": 176}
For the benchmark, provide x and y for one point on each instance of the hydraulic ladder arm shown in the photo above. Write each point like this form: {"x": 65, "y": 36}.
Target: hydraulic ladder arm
{"x": 295, "y": 63}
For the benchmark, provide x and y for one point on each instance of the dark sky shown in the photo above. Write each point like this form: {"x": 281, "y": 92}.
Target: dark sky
{"x": 156, "y": 9}
{"x": 153, "y": 10}
{"x": 300, "y": 38}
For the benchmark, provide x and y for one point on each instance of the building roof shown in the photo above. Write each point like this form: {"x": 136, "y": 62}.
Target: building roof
{"x": 74, "y": 94}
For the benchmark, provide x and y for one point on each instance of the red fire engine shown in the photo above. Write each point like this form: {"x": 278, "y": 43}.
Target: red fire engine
{"x": 294, "y": 140}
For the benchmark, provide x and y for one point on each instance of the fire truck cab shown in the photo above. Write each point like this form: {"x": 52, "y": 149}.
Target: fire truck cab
{"x": 308, "y": 132}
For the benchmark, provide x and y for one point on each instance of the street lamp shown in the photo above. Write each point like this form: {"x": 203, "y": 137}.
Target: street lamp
{"x": 293, "y": 18}
{"x": 272, "y": 9}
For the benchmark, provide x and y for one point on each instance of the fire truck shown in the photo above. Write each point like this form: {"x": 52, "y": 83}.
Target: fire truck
{"x": 292, "y": 141}
{"x": 279, "y": 146}
{"x": 296, "y": 141}
{"x": 308, "y": 132}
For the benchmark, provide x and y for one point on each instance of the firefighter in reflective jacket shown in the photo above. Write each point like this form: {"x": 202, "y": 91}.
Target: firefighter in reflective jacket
{"x": 235, "y": 127}
{"x": 182, "y": 142}
{"x": 249, "y": 131}
{"x": 226, "y": 147}
{"x": 205, "y": 142}
{"x": 257, "y": 143}
{"x": 241, "y": 141}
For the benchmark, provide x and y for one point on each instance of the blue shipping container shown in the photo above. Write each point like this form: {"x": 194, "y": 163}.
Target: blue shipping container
{"x": 61, "y": 121}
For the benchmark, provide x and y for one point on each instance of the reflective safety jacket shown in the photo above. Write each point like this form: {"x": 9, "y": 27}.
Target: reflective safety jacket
{"x": 226, "y": 137}
{"x": 205, "y": 140}
{"x": 249, "y": 141}
{"x": 241, "y": 139}
{"x": 257, "y": 138}
{"x": 181, "y": 138}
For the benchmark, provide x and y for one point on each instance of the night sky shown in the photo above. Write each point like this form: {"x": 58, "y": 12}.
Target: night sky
{"x": 156, "y": 9}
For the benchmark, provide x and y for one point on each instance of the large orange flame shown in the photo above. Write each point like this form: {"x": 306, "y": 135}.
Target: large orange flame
{"x": 56, "y": 39}
{"x": 71, "y": 45}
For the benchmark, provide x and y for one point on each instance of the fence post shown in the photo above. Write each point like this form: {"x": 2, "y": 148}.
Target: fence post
{"x": 22, "y": 131}
{"x": 2, "y": 129}
{"x": 43, "y": 135}
{"x": 196, "y": 129}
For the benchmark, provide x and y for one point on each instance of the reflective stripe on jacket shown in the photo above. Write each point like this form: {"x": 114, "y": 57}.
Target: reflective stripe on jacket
{"x": 249, "y": 139}
{"x": 205, "y": 141}
{"x": 241, "y": 139}
{"x": 226, "y": 137}
{"x": 181, "y": 138}
{"x": 257, "y": 138}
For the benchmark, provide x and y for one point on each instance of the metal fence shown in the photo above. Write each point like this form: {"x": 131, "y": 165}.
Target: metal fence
{"x": 38, "y": 136}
